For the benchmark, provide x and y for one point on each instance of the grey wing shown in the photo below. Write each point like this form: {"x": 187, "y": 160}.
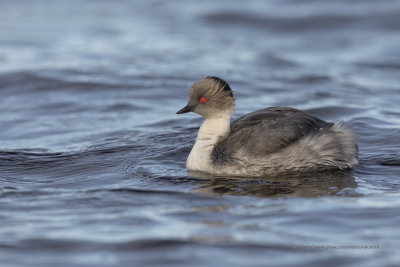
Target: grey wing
{"x": 267, "y": 131}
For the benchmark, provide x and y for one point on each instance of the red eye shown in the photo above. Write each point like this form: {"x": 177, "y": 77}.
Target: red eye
{"x": 203, "y": 100}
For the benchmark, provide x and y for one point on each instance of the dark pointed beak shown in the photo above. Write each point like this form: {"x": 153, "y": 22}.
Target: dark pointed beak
{"x": 186, "y": 109}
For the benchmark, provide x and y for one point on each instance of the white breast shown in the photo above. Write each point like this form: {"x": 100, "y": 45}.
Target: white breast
{"x": 210, "y": 132}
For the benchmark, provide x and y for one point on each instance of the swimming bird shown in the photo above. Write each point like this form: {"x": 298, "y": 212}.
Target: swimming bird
{"x": 270, "y": 141}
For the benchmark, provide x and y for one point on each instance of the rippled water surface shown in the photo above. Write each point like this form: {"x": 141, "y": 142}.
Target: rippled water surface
{"x": 92, "y": 154}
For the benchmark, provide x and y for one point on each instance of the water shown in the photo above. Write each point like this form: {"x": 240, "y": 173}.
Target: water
{"x": 92, "y": 154}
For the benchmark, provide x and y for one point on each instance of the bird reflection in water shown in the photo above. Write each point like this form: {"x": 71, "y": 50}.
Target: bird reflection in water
{"x": 328, "y": 183}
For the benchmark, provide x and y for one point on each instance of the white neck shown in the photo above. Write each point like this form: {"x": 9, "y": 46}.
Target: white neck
{"x": 210, "y": 133}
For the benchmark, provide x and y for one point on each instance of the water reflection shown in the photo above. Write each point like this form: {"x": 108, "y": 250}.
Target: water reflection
{"x": 305, "y": 185}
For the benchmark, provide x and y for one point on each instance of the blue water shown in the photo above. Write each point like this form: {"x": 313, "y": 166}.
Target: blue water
{"x": 92, "y": 154}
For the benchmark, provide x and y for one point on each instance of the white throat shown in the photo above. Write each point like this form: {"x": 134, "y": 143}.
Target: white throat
{"x": 210, "y": 133}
